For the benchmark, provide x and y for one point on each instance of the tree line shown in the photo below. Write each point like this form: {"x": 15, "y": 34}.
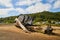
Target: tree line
{"x": 38, "y": 17}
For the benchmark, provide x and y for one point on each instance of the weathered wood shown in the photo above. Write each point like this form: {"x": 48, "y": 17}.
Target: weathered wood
{"x": 48, "y": 30}
{"x": 21, "y": 25}
{"x": 25, "y": 20}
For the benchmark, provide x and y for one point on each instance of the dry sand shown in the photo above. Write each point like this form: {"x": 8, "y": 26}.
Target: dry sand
{"x": 10, "y": 32}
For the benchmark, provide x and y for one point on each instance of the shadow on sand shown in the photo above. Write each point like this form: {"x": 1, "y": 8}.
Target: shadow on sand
{"x": 54, "y": 34}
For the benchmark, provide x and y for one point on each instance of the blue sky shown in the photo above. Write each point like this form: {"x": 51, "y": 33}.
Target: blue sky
{"x": 16, "y": 7}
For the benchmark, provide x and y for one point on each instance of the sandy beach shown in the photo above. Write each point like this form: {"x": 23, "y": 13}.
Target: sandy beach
{"x": 10, "y": 32}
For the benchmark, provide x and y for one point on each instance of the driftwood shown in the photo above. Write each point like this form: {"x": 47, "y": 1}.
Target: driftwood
{"x": 21, "y": 25}
{"x": 48, "y": 30}
{"x": 25, "y": 20}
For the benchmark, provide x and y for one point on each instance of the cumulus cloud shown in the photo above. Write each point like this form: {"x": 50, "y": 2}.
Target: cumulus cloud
{"x": 57, "y": 4}
{"x": 33, "y": 6}
{"x": 50, "y": 1}
{"x": 4, "y": 12}
{"x": 38, "y": 7}
{"x": 21, "y": 11}
{"x": 7, "y": 3}
{"x": 27, "y": 2}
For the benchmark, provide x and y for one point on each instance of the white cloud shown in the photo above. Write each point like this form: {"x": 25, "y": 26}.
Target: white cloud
{"x": 21, "y": 11}
{"x": 57, "y": 4}
{"x": 6, "y": 3}
{"x": 38, "y": 7}
{"x": 27, "y": 2}
{"x": 4, "y": 12}
{"x": 50, "y": 1}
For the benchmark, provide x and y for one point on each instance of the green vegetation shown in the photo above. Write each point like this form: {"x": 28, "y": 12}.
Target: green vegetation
{"x": 8, "y": 19}
{"x": 47, "y": 17}
{"x": 41, "y": 17}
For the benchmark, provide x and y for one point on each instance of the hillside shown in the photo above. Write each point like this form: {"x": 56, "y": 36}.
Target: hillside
{"x": 38, "y": 17}
{"x": 45, "y": 16}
